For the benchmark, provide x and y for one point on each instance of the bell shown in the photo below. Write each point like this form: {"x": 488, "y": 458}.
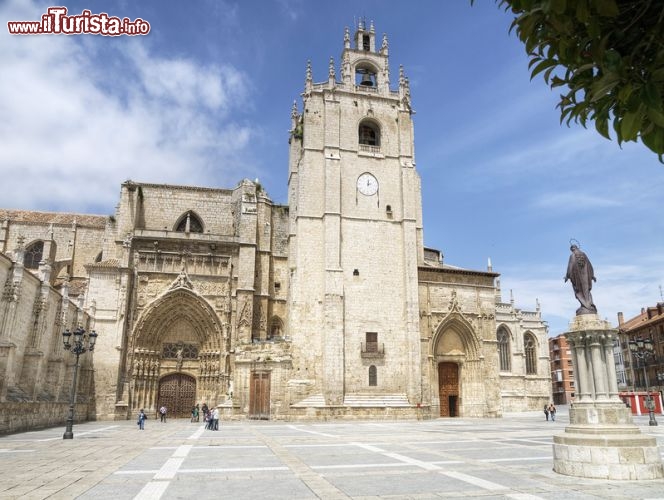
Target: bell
{"x": 366, "y": 80}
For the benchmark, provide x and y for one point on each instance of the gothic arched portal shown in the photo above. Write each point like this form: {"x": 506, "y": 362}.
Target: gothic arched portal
{"x": 178, "y": 334}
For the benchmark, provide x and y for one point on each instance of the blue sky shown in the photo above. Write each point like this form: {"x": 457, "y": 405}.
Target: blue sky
{"x": 205, "y": 99}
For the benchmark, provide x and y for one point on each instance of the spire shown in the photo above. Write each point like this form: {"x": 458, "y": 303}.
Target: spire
{"x": 293, "y": 113}
{"x": 347, "y": 38}
{"x": 308, "y": 81}
{"x": 371, "y": 27}
{"x": 489, "y": 267}
{"x": 511, "y": 297}
{"x": 385, "y": 45}
{"x": 332, "y": 75}
{"x": 346, "y": 75}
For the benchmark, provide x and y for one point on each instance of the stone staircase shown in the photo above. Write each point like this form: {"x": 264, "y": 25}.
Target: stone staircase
{"x": 376, "y": 400}
{"x": 359, "y": 401}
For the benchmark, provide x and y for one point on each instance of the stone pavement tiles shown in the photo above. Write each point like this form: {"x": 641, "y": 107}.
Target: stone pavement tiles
{"x": 444, "y": 458}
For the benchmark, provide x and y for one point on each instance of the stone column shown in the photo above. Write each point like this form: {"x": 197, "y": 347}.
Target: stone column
{"x": 598, "y": 366}
{"x": 612, "y": 377}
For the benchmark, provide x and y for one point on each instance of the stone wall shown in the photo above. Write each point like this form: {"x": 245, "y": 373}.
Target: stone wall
{"x": 29, "y": 416}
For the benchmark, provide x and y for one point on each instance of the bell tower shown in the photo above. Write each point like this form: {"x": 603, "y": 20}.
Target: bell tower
{"x": 355, "y": 229}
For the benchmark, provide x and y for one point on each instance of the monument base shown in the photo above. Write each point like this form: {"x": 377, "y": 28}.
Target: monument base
{"x": 601, "y": 441}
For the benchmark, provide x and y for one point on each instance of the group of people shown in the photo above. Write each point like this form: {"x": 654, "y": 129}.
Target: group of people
{"x": 550, "y": 410}
{"x": 210, "y": 416}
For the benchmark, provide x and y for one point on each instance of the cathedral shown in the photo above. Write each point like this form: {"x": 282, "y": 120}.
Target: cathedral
{"x": 328, "y": 307}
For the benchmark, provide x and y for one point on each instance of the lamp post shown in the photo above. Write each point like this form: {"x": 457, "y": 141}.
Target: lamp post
{"x": 82, "y": 343}
{"x": 642, "y": 349}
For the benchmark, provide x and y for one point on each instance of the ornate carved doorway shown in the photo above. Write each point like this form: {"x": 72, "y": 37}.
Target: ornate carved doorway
{"x": 448, "y": 389}
{"x": 177, "y": 392}
{"x": 259, "y": 396}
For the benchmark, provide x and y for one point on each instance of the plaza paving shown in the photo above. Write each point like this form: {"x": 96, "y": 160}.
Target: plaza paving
{"x": 444, "y": 458}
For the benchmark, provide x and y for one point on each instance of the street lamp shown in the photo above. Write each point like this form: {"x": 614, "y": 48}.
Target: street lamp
{"x": 82, "y": 343}
{"x": 642, "y": 349}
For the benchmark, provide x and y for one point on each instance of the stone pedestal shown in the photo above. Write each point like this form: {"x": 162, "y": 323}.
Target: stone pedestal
{"x": 601, "y": 441}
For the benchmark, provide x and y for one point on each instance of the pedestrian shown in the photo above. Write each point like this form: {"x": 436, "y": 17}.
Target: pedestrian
{"x": 546, "y": 411}
{"x": 552, "y": 412}
{"x": 208, "y": 420}
{"x": 215, "y": 419}
{"x": 162, "y": 414}
{"x": 194, "y": 414}
{"x": 198, "y": 413}
{"x": 204, "y": 409}
{"x": 141, "y": 420}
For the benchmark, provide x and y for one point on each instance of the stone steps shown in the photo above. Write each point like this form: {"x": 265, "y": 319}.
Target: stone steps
{"x": 358, "y": 400}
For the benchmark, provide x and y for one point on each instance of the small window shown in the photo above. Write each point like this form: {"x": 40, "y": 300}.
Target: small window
{"x": 33, "y": 255}
{"x": 373, "y": 376}
{"x": 372, "y": 342}
{"x": 366, "y": 42}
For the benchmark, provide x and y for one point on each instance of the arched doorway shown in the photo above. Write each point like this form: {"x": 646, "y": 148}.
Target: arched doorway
{"x": 177, "y": 392}
{"x": 448, "y": 389}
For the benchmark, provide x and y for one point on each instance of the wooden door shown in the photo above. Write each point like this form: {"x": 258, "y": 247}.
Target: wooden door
{"x": 448, "y": 389}
{"x": 259, "y": 396}
{"x": 177, "y": 392}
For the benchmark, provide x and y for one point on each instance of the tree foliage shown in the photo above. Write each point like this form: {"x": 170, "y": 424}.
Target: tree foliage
{"x": 608, "y": 57}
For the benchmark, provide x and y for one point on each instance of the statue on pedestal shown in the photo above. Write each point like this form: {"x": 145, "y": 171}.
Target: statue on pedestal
{"x": 580, "y": 272}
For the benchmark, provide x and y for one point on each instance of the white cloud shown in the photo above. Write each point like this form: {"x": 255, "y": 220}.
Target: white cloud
{"x": 572, "y": 201}
{"x": 82, "y": 115}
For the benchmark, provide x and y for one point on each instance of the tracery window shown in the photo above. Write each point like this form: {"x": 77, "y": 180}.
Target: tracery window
{"x": 529, "y": 346}
{"x": 189, "y": 223}
{"x": 33, "y": 255}
{"x": 504, "y": 349}
{"x": 177, "y": 351}
{"x": 373, "y": 376}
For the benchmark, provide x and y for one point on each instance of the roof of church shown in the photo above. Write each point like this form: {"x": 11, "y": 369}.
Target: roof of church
{"x": 33, "y": 217}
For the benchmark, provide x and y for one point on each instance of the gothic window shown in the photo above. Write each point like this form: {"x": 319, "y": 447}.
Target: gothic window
{"x": 529, "y": 346}
{"x": 366, "y": 42}
{"x": 369, "y": 134}
{"x": 33, "y": 255}
{"x": 504, "y": 349}
{"x": 373, "y": 376}
{"x": 189, "y": 223}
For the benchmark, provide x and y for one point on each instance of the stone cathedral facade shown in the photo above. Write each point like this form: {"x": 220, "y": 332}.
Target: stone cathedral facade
{"x": 328, "y": 307}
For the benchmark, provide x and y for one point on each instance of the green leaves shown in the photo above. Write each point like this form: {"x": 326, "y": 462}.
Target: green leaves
{"x": 607, "y": 54}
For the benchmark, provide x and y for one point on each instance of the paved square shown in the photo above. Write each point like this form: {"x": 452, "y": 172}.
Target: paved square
{"x": 445, "y": 458}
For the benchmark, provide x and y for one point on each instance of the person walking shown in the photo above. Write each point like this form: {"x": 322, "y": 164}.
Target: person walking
{"x": 194, "y": 414}
{"x": 215, "y": 419}
{"x": 162, "y": 414}
{"x": 546, "y": 411}
{"x": 552, "y": 412}
{"x": 141, "y": 420}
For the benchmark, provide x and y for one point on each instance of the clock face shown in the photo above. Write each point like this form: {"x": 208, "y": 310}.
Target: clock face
{"x": 367, "y": 184}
